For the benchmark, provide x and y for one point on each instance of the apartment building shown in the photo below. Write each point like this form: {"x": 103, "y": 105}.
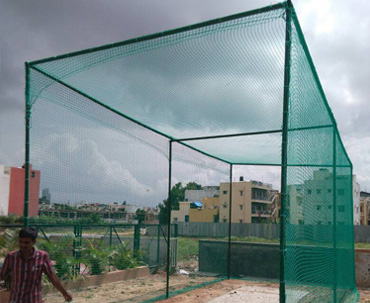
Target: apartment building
{"x": 12, "y": 191}
{"x": 252, "y": 202}
{"x": 364, "y": 208}
{"x": 318, "y": 198}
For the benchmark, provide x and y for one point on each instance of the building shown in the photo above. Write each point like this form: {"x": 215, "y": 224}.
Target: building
{"x": 182, "y": 214}
{"x": 318, "y": 198}
{"x": 4, "y": 190}
{"x": 12, "y": 191}
{"x": 295, "y": 202}
{"x": 193, "y": 195}
{"x": 356, "y": 202}
{"x": 208, "y": 212}
{"x": 364, "y": 208}
{"x": 252, "y": 202}
{"x": 46, "y": 196}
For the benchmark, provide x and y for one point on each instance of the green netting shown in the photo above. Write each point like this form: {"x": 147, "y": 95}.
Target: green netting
{"x": 202, "y": 105}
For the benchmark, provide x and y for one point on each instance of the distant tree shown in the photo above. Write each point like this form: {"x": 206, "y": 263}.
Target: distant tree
{"x": 140, "y": 215}
{"x": 177, "y": 195}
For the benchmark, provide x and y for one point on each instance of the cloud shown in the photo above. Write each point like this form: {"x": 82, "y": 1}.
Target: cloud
{"x": 337, "y": 34}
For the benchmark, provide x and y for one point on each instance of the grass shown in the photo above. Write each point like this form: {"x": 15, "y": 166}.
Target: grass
{"x": 362, "y": 245}
{"x": 188, "y": 248}
{"x": 253, "y": 239}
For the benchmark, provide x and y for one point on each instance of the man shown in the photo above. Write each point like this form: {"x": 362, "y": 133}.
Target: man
{"x": 25, "y": 267}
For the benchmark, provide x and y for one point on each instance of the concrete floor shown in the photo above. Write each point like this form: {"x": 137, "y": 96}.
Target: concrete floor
{"x": 250, "y": 294}
{"x": 256, "y": 294}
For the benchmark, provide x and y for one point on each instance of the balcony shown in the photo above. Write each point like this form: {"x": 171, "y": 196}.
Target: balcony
{"x": 261, "y": 212}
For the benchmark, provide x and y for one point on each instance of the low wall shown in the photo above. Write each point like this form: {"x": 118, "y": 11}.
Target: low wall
{"x": 260, "y": 260}
{"x": 247, "y": 259}
{"x": 362, "y": 257}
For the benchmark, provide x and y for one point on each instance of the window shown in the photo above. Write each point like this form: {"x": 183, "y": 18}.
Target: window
{"x": 241, "y": 207}
{"x": 341, "y": 208}
{"x": 241, "y": 193}
{"x": 224, "y": 220}
{"x": 225, "y": 205}
{"x": 318, "y": 207}
{"x": 33, "y": 174}
{"x": 225, "y": 192}
{"x": 175, "y": 219}
{"x": 186, "y": 218}
{"x": 318, "y": 191}
{"x": 329, "y": 190}
{"x": 341, "y": 192}
{"x": 309, "y": 191}
{"x": 241, "y": 221}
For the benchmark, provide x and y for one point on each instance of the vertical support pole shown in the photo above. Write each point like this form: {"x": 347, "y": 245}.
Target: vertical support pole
{"x": 176, "y": 231}
{"x": 353, "y": 234}
{"x": 137, "y": 239}
{"x": 284, "y": 153}
{"x": 26, "y": 219}
{"x": 110, "y": 236}
{"x": 158, "y": 244}
{"x": 77, "y": 243}
{"x": 230, "y": 215}
{"x": 169, "y": 220}
{"x": 335, "y": 265}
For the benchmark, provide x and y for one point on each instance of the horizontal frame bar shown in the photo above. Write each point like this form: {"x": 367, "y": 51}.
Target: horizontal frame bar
{"x": 252, "y": 133}
{"x": 230, "y": 135}
{"x": 165, "y": 33}
{"x": 291, "y": 165}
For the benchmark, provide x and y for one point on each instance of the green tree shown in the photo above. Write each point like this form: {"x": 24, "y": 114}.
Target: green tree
{"x": 140, "y": 215}
{"x": 177, "y": 195}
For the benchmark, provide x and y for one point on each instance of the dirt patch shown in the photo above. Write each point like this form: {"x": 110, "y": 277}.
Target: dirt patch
{"x": 364, "y": 295}
{"x": 212, "y": 291}
{"x": 140, "y": 289}
{"x": 135, "y": 290}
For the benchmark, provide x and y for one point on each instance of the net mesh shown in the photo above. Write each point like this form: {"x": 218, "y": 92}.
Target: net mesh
{"x": 170, "y": 119}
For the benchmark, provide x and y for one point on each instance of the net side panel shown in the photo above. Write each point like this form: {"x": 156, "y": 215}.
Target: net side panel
{"x": 309, "y": 265}
{"x": 100, "y": 168}
{"x": 319, "y": 198}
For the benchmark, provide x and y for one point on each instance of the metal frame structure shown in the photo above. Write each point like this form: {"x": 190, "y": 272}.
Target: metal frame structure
{"x": 290, "y": 18}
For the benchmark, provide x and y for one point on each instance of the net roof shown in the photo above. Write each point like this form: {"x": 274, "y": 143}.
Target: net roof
{"x": 221, "y": 77}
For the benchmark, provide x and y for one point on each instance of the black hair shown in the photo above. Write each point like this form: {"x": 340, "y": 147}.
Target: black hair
{"x": 28, "y": 232}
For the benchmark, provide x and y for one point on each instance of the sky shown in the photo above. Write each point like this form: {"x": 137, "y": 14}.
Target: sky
{"x": 337, "y": 33}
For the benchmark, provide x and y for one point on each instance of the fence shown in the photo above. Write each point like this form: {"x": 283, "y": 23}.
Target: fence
{"x": 145, "y": 242}
{"x": 267, "y": 231}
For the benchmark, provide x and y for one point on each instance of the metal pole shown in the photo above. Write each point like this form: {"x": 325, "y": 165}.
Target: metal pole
{"x": 169, "y": 219}
{"x": 284, "y": 157}
{"x": 26, "y": 219}
{"x": 110, "y": 236}
{"x": 230, "y": 213}
{"x": 158, "y": 244}
{"x": 353, "y": 234}
{"x": 137, "y": 239}
{"x": 334, "y": 215}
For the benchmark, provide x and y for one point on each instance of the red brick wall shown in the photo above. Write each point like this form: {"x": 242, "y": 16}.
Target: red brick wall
{"x": 16, "y": 191}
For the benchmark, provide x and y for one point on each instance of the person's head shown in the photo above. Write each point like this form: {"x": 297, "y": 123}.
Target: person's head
{"x": 27, "y": 238}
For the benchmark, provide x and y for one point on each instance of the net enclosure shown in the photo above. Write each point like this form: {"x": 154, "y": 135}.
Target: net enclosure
{"x": 132, "y": 120}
